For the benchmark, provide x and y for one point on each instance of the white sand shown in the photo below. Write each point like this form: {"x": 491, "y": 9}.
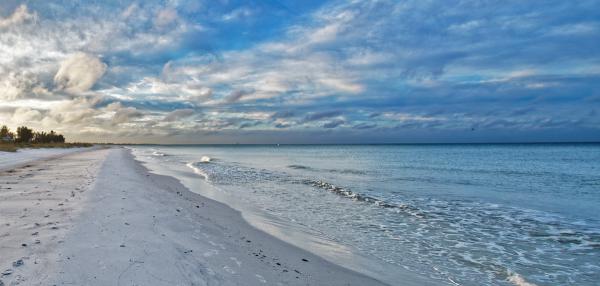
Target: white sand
{"x": 10, "y": 160}
{"x": 102, "y": 219}
{"x": 39, "y": 204}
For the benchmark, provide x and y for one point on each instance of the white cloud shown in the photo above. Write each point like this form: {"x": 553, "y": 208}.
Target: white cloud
{"x": 178, "y": 114}
{"x": 575, "y": 29}
{"x": 365, "y": 57}
{"x": 237, "y": 95}
{"x": 237, "y": 14}
{"x": 14, "y": 85}
{"x": 465, "y": 27}
{"x": 324, "y": 34}
{"x": 165, "y": 17}
{"x": 342, "y": 85}
{"x": 19, "y": 16}
{"x": 125, "y": 115}
{"x": 131, "y": 9}
{"x": 77, "y": 112}
{"x": 379, "y": 49}
{"x": 79, "y": 73}
{"x": 24, "y": 115}
{"x": 403, "y": 117}
{"x": 188, "y": 90}
{"x": 20, "y": 85}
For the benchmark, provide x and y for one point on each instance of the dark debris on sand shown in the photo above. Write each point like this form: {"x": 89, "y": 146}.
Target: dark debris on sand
{"x": 18, "y": 263}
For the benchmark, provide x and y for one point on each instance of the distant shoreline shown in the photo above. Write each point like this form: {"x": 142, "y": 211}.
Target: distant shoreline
{"x": 13, "y": 147}
{"x": 357, "y": 144}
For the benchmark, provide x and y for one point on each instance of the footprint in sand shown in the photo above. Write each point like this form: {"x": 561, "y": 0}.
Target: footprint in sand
{"x": 260, "y": 278}
{"x": 217, "y": 244}
{"x": 228, "y": 269}
{"x": 239, "y": 264}
{"x": 210, "y": 253}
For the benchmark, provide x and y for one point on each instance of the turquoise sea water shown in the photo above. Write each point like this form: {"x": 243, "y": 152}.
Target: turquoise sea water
{"x": 454, "y": 214}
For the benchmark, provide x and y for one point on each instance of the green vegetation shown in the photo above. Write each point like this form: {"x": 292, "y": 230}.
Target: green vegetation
{"x": 27, "y": 138}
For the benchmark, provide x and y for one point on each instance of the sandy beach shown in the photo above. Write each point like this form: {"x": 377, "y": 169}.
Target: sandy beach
{"x": 100, "y": 218}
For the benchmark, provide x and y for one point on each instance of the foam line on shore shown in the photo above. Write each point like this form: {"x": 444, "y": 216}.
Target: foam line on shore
{"x": 136, "y": 227}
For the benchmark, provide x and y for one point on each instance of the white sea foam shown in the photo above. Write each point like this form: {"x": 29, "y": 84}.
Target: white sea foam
{"x": 431, "y": 216}
{"x": 518, "y": 280}
{"x": 197, "y": 170}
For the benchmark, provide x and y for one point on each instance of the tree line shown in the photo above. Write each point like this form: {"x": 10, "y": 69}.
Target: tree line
{"x": 26, "y": 135}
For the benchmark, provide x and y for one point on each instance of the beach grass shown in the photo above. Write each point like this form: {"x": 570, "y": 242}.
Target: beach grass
{"x": 13, "y": 147}
{"x": 8, "y": 148}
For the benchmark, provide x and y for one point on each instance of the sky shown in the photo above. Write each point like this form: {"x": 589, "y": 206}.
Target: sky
{"x": 285, "y": 71}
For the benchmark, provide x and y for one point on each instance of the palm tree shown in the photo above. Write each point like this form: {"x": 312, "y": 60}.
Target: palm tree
{"x": 4, "y": 131}
{"x": 24, "y": 134}
{"x": 5, "y": 134}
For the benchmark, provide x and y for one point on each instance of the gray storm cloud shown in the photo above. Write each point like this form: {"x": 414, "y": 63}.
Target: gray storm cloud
{"x": 79, "y": 73}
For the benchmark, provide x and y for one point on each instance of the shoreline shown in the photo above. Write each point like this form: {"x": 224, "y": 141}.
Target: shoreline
{"x": 290, "y": 231}
{"x": 252, "y": 231}
{"x": 133, "y": 226}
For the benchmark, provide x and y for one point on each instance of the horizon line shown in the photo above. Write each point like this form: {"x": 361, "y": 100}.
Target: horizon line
{"x": 397, "y": 143}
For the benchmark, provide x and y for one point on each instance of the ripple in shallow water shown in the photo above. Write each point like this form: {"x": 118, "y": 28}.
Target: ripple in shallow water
{"x": 462, "y": 240}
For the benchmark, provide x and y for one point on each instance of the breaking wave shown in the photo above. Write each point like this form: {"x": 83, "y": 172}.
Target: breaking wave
{"x": 459, "y": 236}
{"x": 339, "y": 171}
{"x": 364, "y": 198}
{"x": 198, "y": 171}
{"x": 300, "y": 167}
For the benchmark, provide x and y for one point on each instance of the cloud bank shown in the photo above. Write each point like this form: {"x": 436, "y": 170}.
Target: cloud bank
{"x": 311, "y": 71}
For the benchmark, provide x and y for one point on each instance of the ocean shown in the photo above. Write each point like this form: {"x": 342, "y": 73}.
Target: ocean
{"x": 457, "y": 214}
